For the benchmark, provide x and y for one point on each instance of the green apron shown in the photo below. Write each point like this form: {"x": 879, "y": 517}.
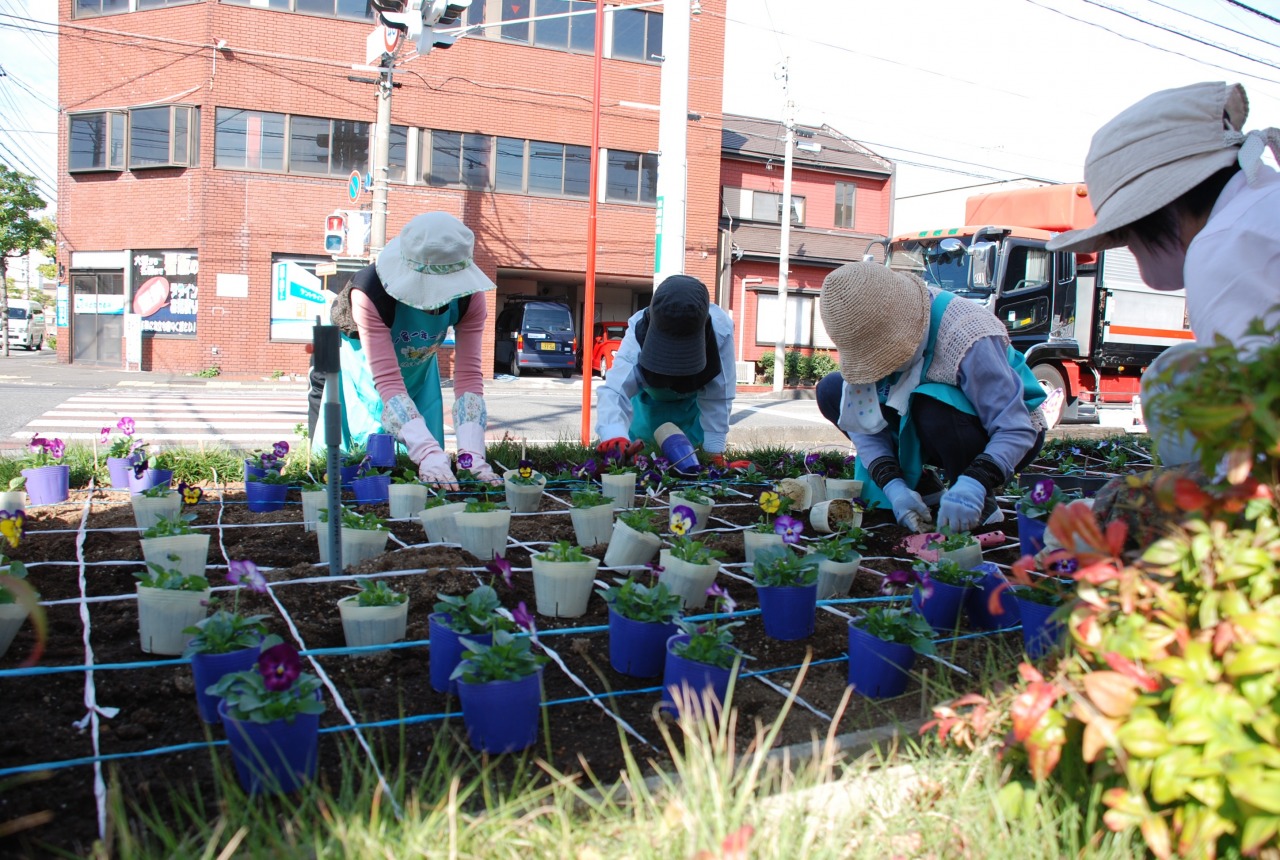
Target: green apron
{"x": 653, "y": 407}
{"x": 417, "y": 336}
{"x": 910, "y": 456}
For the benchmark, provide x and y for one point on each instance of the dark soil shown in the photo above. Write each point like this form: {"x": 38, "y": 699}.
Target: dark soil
{"x": 157, "y": 707}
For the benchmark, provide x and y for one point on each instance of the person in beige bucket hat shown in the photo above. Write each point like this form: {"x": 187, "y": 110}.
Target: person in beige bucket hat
{"x": 926, "y": 378}
{"x": 1176, "y": 179}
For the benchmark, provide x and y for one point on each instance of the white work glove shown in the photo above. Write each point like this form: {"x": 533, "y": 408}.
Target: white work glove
{"x": 471, "y": 441}
{"x": 961, "y": 506}
{"x": 433, "y": 462}
{"x": 908, "y": 508}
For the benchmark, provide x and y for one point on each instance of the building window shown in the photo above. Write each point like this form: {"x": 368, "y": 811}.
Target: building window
{"x": 97, "y": 141}
{"x": 397, "y": 154}
{"x": 460, "y": 159}
{"x": 767, "y": 206}
{"x": 637, "y": 35}
{"x": 94, "y": 8}
{"x": 846, "y": 198}
{"x": 518, "y": 32}
{"x": 631, "y": 177}
{"x": 248, "y": 139}
{"x": 325, "y": 147}
{"x": 360, "y": 10}
{"x": 804, "y": 322}
{"x": 163, "y": 136}
{"x": 509, "y": 172}
{"x": 570, "y": 33}
{"x": 557, "y": 169}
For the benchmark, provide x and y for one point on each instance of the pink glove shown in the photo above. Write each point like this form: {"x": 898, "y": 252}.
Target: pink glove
{"x": 471, "y": 441}
{"x": 433, "y": 462}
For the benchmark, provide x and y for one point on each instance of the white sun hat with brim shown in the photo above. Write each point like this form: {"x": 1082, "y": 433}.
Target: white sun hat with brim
{"x": 1154, "y": 152}
{"x": 430, "y": 263}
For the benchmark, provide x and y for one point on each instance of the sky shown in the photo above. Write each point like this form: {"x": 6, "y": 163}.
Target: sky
{"x": 958, "y": 94}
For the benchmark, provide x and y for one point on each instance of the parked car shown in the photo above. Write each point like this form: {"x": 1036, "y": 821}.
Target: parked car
{"x": 605, "y": 339}
{"x": 26, "y": 324}
{"x": 535, "y": 334}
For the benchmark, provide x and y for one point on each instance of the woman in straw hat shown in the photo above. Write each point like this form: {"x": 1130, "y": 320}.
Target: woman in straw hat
{"x": 1175, "y": 179}
{"x": 424, "y": 282}
{"x": 927, "y": 377}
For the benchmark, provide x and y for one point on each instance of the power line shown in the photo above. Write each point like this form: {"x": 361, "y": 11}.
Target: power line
{"x": 1214, "y": 23}
{"x": 1257, "y": 12}
{"x": 1195, "y": 39}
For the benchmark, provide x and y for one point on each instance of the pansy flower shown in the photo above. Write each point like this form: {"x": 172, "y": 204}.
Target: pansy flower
{"x": 37, "y": 444}
{"x": 641, "y": 462}
{"x": 106, "y": 435}
{"x": 140, "y": 466}
{"x": 501, "y": 567}
{"x": 465, "y": 460}
{"x": 57, "y": 448}
{"x": 718, "y": 593}
{"x": 769, "y": 502}
{"x": 125, "y": 425}
{"x": 789, "y": 527}
{"x": 190, "y": 495}
{"x": 655, "y": 569}
{"x": 525, "y": 469}
{"x": 280, "y": 449}
{"x": 522, "y": 617}
{"x": 1042, "y": 491}
{"x": 279, "y": 666}
{"x": 245, "y": 572}
{"x": 661, "y": 464}
{"x": 682, "y": 520}
{"x": 811, "y": 459}
{"x": 13, "y": 525}
{"x": 904, "y": 578}
{"x": 587, "y": 470}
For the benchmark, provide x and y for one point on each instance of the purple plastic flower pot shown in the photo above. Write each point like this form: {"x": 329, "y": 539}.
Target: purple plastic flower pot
{"x": 253, "y": 470}
{"x": 683, "y": 678}
{"x": 47, "y": 485}
{"x": 637, "y": 648}
{"x": 502, "y": 716}
{"x": 878, "y": 669}
{"x": 445, "y": 650}
{"x": 150, "y": 478}
{"x": 347, "y": 474}
{"x": 942, "y": 608}
{"x": 264, "y": 498}
{"x": 1039, "y": 634}
{"x": 276, "y": 757}
{"x": 208, "y": 669}
{"x": 788, "y": 610}
{"x": 372, "y": 489}
{"x": 1030, "y": 533}
{"x": 381, "y": 448}
{"x": 119, "y": 468}
{"x": 977, "y": 601}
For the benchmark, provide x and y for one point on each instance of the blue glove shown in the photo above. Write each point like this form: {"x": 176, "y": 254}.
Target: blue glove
{"x": 961, "y": 506}
{"x": 908, "y": 508}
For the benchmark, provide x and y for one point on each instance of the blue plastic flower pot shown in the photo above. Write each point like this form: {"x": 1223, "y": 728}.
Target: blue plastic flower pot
{"x": 445, "y": 650}
{"x": 502, "y": 716}
{"x": 347, "y": 474}
{"x": 788, "y": 610}
{"x": 978, "y": 600}
{"x": 208, "y": 669}
{"x": 47, "y": 485}
{"x": 150, "y": 478}
{"x": 372, "y": 489}
{"x": 942, "y": 609}
{"x": 276, "y": 757}
{"x": 878, "y": 669}
{"x": 1030, "y": 533}
{"x": 264, "y": 498}
{"x": 381, "y": 448}
{"x": 251, "y": 470}
{"x": 682, "y": 679}
{"x": 119, "y": 468}
{"x": 637, "y": 648}
{"x": 1039, "y": 634}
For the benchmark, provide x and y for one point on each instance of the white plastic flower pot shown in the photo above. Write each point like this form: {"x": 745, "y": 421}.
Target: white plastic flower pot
{"x": 843, "y": 488}
{"x": 483, "y": 533}
{"x": 523, "y": 498}
{"x": 312, "y": 502}
{"x": 754, "y": 541}
{"x": 164, "y": 613}
{"x": 406, "y": 500}
{"x": 619, "y": 487}
{"x": 439, "y": 522}
{"x": 800, "y": 493}
{"x": 322, "y": 539}
{"x": 834, "y": 515}
{"x": 362, "y": 544}
{"x": 968, "y": 556}
{"x": 148, "y": 511}
{"x": 191, "y": 552}
{"x": 562, "y": 588}
{"x": 372, "y": 625}
{"x": 688, "y": 580}
{"x": 592, "y": 526}
{"x": 13, "y": 500}
{"x": 701, "y": 512}
{"x": 12, "y": 615}
{"x": 628, "y": 547}
{"x": 817, "y": 487}
{"x": 835, "y": 578}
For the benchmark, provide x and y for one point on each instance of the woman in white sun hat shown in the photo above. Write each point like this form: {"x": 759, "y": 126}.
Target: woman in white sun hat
{"x": 1175, "y": 179}
{"x": 424, "y": 282}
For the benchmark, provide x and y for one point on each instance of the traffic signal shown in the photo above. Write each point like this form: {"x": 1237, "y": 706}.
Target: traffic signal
{"x": 441, "y": 15}
{"x": 335, "y": 233}
{"x": 404, "y": 15}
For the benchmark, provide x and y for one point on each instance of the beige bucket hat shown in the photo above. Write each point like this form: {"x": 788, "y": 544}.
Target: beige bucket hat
{"x": 430, "y": 264}
{"x": 1154, "y": 152}
{"x": 875, "y": 316}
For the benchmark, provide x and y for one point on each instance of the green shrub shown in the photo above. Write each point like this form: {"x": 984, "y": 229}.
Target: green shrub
{"x": 822, "y": 364}
{"x": 764, "y": 364}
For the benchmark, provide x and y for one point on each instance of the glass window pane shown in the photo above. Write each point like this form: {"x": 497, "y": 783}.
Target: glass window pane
{"x": 314, "y": 7}
{"x": 115, "y": 143}
{"x": 628, "y": 34}
{"x": 350, "y": 147}
{"x": 653, "y": 31}
{"x": 148, "y": 136}
{"x": 475, "y": 13}
{"x": 477, "y": 151}
{"x": 622, "y": 177}
{"x": 181, "y": 139}
{"x": 308, "y": 145}
{"x": 546, "y": 167}
{"x": 510, "y": 173}
{"x": 266, "y": 141}
{"x": 515, "y": 32}
{"x": 88, "y": 142}
{"x": 649, "y": 178}
{"x": 355, "y": 9}
{"x": 766, "y": 206}
{"x": 582, "y": 28}
{"x": 553, "y": 33}
{"x": 577, "y": 171}
{"x": 446, "y": 157}
{"x": 398, "y": 154}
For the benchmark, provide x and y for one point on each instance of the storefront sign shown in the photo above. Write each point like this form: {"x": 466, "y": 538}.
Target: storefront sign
{"x": 64, "y": 292}
{"x": 165, "y": 294}
{"x": 297, "y": 298}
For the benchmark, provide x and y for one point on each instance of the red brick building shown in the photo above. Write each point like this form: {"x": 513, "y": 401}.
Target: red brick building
{"x": 203, "y": 143}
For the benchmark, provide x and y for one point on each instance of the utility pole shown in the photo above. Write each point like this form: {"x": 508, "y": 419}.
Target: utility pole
{"x": 784, "y": 235}
{"x": 673, "y": 143}
{"x": 381, "y": 157}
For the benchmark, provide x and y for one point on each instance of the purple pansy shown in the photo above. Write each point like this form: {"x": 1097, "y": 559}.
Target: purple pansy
{"x": 683, "y": 520}
{"x": 279, "y": 666}
{"x": 1042, "y": 491}
{"x": 140, "y": 467}
{"x": 245, "y": 572}
{"x": 465, "y": 460}
{"x": 811, "y": 459}
{"x": 37, "y": 444}
{"x": 57, "y": 448}
{"x": 523, "y": 618}
{"x": 125, "y": 425}
{"x": 280, "y": 448}
{"x": 501, "y": 567}
{"x": 717, "y": 592}
{"x": 661, "y": 464}
{"x": 655, "y": 569}
{"x": 587, "y": 470}
{"x": 904, "y": 578}
{"x": 789, "y": 527}
{"x": 106, "y": 435}
{"x": 641, "y": 462}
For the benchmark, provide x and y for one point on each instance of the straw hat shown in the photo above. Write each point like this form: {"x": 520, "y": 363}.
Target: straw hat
{"x": 1154, "y": 152}
{"x": 429, "y": 264}
{"x": 875, "y": 316}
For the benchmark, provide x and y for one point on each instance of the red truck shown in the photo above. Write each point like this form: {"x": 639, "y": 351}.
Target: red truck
{"x": 1086, "y": 322}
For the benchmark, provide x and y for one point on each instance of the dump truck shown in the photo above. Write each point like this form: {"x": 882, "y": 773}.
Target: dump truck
{"x": 1086, "y": 322}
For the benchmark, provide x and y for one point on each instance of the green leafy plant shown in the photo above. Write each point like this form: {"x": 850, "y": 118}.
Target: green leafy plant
{"x": 641, "y": 520}
{"x": 509, "y": 658}
{"x": 632, "y": 599}
{"x": 846, "y": 470}
{"x": 159, "y": 491}
{"x": 406, "y": 476}
{"x": 43, "y": 452}
{"x": 365, "y": 522}
{"x": 275, "y": 689}
{"x": 783, "y": 566}
{"x": 588, "y": 497}
{"x": 17, "y": 483}
{"x": 270, "y": 477}
{"x": 14, "y": 570}
{"x": 711, "y": 640}
{"x": 225, "y": 630}
{"x": 947, "y": 571}
{"x": 475, "y": 614}
{"x": 684, "y": 547}
{"x": 170, "y": 579}
{"x": 1041, "y": 498}
{"x": 841, "y": 547}
{"x": 697, "y": 495}
{"x": 378, "y": 594}
{"x": 563, "y": 551}
{"x": 355, "y": 455}
{"x": 772, "y": 505}
{"x": 435, "y": 500}
{"x": 949, "y": 541}
{"x": 209, "y": 372}
{"x": 126, "y": 443}
{"x": 482, "y": 504}
{"x": 902, "y": 626}
{"x": 172, "y": 526}
{"x": 525, "y": 475}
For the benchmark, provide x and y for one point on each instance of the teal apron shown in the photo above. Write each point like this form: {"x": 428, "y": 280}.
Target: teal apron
{"x": 653, "y": 407}
{"x": 417, "y": 336}
{"x": 910, "y": 456}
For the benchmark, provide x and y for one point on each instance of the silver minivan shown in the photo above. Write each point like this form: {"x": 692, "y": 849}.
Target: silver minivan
{"x": 26, "y": 324}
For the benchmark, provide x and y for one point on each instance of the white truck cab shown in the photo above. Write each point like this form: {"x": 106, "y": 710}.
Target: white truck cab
{"x": 26, "y": 324}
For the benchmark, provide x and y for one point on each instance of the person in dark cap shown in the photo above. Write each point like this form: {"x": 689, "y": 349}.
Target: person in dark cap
{"x": 675, "y": 365}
